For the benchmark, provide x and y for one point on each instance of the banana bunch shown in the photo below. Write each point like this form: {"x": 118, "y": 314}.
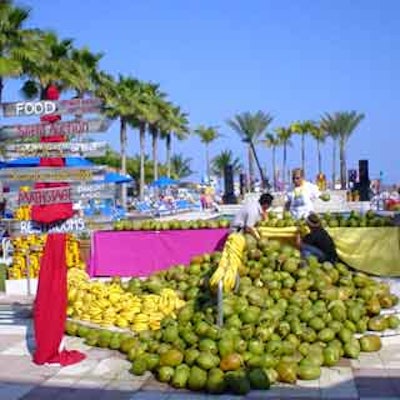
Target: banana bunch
{"x": 231, "y": 261}
{"x": 108, "y": 304}
{"x": 31, "y": 247}
{"x": 23, "y": 213}
{"x": 75, "y": 276}
{"x": 73, "y": 256}
{"x": 25, "y": 249}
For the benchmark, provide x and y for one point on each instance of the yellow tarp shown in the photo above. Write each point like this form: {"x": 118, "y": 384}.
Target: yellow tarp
{"x": 373, "y": 250}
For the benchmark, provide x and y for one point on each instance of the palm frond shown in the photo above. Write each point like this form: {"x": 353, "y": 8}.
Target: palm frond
{"x": 221, "y": 160}
{"x": 207, "y": 134}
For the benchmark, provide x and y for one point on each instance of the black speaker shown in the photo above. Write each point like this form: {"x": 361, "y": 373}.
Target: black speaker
{"x": 364, "y": 182}
{"x": 363, "y": 171}
{"x": 229, "y": 195}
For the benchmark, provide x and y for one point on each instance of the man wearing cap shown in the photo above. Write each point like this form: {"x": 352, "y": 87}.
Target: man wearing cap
{"x": 318, "y": 242}
{"x": 252, "y": 212}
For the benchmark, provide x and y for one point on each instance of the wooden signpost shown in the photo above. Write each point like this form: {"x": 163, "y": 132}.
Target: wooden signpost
{"x": 23, "y": 133}
{"x": 66, "y": 128}
{"x": 51, "y": 174}
{"x": 61, "y": 195}
{"x": 64, "y": 149}
{"x": 46, "y": 107}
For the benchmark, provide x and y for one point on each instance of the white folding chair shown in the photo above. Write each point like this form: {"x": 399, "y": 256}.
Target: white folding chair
{"x": 7, "y": 250}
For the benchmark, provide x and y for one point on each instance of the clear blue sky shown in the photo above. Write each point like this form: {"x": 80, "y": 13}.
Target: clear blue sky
{"x": 294, "y": 59}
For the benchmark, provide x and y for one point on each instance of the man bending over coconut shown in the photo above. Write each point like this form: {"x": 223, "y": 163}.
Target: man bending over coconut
{"x": 318, "y": 242}
{"x": 252, "y": 212}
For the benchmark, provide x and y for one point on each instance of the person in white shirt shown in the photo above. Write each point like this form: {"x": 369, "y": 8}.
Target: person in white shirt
{"x": 299, "y": 202}
{"x": 252, "y": 212}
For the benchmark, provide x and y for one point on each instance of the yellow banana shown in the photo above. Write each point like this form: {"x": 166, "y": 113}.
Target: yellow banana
{"x": 231, "y": 260}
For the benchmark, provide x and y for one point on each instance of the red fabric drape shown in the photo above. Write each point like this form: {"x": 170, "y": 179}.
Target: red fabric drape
{"x": 52, "y": 212}
{"x": 51, "y": 297}
{"x": 51, "y": 305}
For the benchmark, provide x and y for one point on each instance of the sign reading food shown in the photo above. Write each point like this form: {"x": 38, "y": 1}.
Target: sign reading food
{"x": 46, "y": 107}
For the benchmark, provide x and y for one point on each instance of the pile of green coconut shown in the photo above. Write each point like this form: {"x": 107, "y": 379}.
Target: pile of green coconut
{"x": 288, "y": 319}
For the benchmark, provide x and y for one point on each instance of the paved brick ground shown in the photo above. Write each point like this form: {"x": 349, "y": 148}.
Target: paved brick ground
{"x": 104, "y": 374}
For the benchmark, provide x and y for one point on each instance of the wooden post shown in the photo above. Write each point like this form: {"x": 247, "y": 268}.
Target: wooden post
{"x": 28, "y": 273}
{"x": 220, "y": 307}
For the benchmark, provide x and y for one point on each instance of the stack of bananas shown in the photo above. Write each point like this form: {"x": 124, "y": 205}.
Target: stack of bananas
{"x": 23, "y": 213}
{"x": 107, "y": 304}
{"x": 72, "y": 253}
{"x": 231, "y": 261}
{"x": 24, "y": 247}
{"x": 31, "y": 246}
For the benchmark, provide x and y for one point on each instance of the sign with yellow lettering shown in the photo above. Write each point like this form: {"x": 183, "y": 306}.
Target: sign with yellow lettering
{"x": 50, "y": 174}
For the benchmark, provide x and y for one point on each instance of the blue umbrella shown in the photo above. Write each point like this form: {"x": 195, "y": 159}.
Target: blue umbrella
{"x": 77, "y": 162}
{"x": 114, "y": 177}
{"x": 164, "y": 181}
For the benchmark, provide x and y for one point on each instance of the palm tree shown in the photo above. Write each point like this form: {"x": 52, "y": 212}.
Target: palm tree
{"x": 46, "y": 64}
{"x": 81, "y": 70}
{"x": 120, "y": 98}
{"x": 302, "y": 128}
{"x": 132, "y": 101}
{"x": 175, "y": 124}
{"x": 180, "y": 166}
{"x": 207, "y": 135}
{"x": 272, "y": 141}
{"x": 133, "y": 167}
{"x": 144, "y": 113}
{"x": 250, "y": 127}
{"x": 319, "y": 135}
{"x": 12, "y": 40}
{"x": 284, "y": 135}
{"x": 160, "y": 107}
{"x": 328, "y": 125}
{"x": 345, "y": 123}
{"x": 221, "y": 160}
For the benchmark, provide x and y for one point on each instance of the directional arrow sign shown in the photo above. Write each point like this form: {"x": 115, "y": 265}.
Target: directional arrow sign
{"x": 67, "y": 128}
{"x": 71, "y": 149}
{"x": 61, "y": 195}
{"x": 50, "y": 174}
{"x": 72, "y": 225}
{"x": 45, "y": 107}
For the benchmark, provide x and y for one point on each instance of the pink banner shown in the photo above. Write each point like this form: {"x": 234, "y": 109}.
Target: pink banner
{"x": 141, "y": 253}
